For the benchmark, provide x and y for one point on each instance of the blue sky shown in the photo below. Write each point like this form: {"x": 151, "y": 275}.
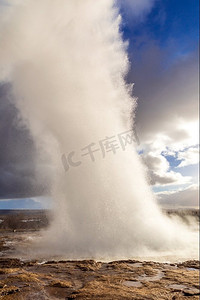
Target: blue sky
{"x": 163, "y": 52}
{"x": 25, "y": 203}
{"x": 167, "y": 20}
{"x": 172, "y": 25}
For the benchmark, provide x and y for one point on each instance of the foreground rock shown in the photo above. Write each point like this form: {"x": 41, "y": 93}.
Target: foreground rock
{"x": 95, "y": 280}
{"x": 87, "y": 279}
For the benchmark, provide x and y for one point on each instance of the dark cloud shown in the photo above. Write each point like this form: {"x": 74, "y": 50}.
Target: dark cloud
{"x": 17, "y": 153}
{"x": 167, "y": 90}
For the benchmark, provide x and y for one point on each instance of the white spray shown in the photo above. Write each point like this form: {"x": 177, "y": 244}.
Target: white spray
{"x": 67, "y": 61}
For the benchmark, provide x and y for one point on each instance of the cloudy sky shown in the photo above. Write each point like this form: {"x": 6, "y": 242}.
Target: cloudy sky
{"x": 163, "y": 54}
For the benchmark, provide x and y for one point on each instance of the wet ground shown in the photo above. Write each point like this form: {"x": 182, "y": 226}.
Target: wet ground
{"x": 88, "y": 279}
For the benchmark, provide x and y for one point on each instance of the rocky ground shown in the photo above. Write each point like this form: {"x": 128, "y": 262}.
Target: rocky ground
{"x": 96, "y": 280}
{"x": 87, "y": 279}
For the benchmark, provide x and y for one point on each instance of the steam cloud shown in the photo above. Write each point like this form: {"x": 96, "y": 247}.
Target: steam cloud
{"x": 67, "y": 61}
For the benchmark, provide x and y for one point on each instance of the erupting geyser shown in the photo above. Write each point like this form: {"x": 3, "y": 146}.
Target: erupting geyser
{"x": 67, "y": 61}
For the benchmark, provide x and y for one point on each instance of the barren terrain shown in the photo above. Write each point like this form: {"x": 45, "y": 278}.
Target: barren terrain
{"x": 87, "y": 279}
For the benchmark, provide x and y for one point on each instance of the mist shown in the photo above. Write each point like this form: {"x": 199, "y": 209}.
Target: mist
{"x": 66, "y": 61}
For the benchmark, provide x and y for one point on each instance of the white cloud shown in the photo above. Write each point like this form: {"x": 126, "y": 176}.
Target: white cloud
{"x": 187, "y": 197}
{"x": 188, "y": 157}
{"x": 158, "y": 170}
